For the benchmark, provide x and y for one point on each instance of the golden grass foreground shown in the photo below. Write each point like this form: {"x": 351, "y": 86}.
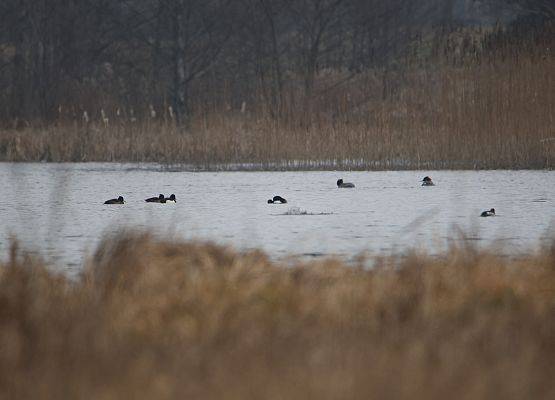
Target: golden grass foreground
{"x": 156, "y": 319}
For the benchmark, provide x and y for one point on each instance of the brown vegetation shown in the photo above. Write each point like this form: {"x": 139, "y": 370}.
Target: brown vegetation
{"x": 498, "y": 115}
{"x": 162, "y": 320}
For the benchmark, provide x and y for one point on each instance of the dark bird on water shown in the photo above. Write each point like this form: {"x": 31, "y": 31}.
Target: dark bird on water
{"x": 277, "y": 200}
{"x": 171, "y": 199}
{"x": 159, "y": 199}
{"x": 427, "y": 181}
{"x": 341, "y": 184}
{"x": 489, "y": 213}
{"x": 119, "y": 200}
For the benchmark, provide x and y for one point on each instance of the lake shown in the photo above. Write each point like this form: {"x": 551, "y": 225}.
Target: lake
{"x": 57, "y": 210}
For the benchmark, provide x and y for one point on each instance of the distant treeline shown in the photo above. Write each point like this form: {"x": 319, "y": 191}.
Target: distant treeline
{"x": 60, "y": 58}
{"x": 207, "y": 81}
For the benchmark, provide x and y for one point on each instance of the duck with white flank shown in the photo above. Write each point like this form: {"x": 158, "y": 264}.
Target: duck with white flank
{"x": 427, "y": 181}
{"x": 171, "y": 199}
{"x": 277, "y": 200}
{"x": 159, "y": 199}
{"x": 341, "y": 184}
{"x": 119, "y": 200}
{"x": 489, "y": 213}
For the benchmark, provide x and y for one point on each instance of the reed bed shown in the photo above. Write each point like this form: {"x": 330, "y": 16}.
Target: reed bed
{"x": 153, "y": 319}
{"x": 494, "y": 114}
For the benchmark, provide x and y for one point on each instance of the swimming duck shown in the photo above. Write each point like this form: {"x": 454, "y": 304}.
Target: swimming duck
{"x": 427, "y": 181}
{"x": 490, "y": 213}
{"x": 341, "y": 184}
{"x": 277, "y": 199}
{"x": 159, "y": 199}
{"x": 171, "y": 199}
{"x": 119, "y": 200}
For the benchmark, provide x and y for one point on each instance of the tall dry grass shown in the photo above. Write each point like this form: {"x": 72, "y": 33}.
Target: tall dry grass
{"x": 467, "y": 98}
{"x": 156, "y": 319}
{"x": 481, "y": 109}
{"x": 483, "y": 117}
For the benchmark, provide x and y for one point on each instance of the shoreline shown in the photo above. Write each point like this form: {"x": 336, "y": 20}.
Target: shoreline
{"x": 294, "y": 166}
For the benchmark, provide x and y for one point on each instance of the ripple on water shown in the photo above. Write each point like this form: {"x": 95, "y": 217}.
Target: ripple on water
{"x": 300, "y": 211}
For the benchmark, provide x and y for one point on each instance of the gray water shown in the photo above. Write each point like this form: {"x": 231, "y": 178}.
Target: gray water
{"x": 57, "y": 210}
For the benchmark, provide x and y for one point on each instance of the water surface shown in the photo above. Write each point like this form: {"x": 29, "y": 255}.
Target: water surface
{"x": 58, "y": 211}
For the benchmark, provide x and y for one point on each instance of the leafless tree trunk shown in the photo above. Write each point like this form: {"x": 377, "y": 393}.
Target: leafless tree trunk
{"x": 179, "y": 84}
{"x": 316, "y": 21}
{"x": 277, "y": 87}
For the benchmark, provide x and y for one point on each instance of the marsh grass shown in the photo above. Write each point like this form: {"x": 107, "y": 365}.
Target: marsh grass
{"x": 153, "y": 319}
{"x": 466, "y": 98}
{"x": 487, "y": 113}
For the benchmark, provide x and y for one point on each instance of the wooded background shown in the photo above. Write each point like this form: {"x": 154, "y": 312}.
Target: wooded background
{"x": 64, "y": 57}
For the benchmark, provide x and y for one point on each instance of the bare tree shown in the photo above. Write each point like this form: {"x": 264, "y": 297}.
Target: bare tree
{"x": 200, "y": 30}
{"x": 315, "y": 21}
{"x": 139, "y": 53}
{"x": 51, "y": 41}
{"x": 541, "y": 8}
{"x": 260, "y": 35}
